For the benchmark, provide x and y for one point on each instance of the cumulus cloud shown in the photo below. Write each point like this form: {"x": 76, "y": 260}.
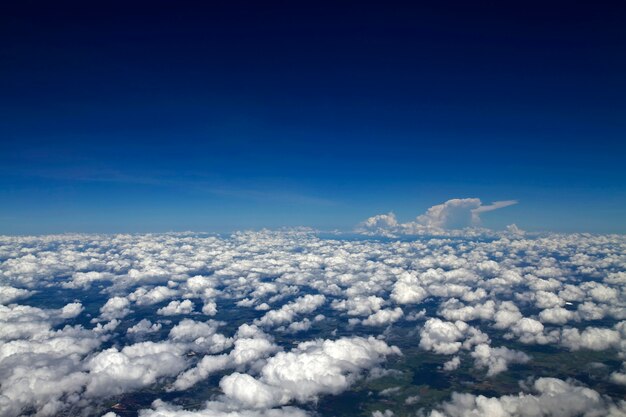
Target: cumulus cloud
{"x": 114, "y": 371}
{"x": 177, "y": 307}
{"x": 313, "y": 368}
{"x": 496, "y": 360}
{"x": 550, "y": 397}
{"x": 250, "y": 345}
{"x": 286, "y": 314}
{"x": 115, "y": 308}
{"x": 457, "y": 213}
{"x": 443, "y": 337}
{"x": 9, "y": 294}
{"x": 144, "y": 326}
{"x": 41, "y": 368}
{"x": 383, "y": 317}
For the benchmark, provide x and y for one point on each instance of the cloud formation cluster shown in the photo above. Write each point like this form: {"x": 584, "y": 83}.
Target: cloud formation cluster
{"x": 281, "y": 319}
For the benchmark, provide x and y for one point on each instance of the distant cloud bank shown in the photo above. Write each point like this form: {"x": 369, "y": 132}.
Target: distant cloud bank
{"x": 454, "y": 214}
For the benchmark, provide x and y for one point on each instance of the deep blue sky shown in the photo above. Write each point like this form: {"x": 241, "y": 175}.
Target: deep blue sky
{"x": 212, "y": 115}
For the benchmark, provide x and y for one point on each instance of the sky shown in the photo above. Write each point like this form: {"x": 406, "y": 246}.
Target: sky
{"x": 216, "y": 116}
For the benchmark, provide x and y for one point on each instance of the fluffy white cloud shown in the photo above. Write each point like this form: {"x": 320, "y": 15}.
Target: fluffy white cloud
{"x": 551, "y": 398}
{"x": 115, "y": 308}
{"x": 9, "y": 294}
{"x": 177, "y": 307}
{"x": 114, "y": 371}
{"x": 407, "y": 290}
{"x": 71, "y": 310}
{"x": 592, "y": 338}
{"x": 452, "y": 364}
{"x": 250, "y": 345}
{"x": 359, "y": 306}
{"x": 41, "y": 368}
{"x": 144, "y": 326}
{"x": 383, "y": 317}
{"x": 142, "y": 296}
{"x": 311, "y": 369}
{"x": 302, "y": 305}
{"x": 496, "y": 360}
{"x": 447, "y": 338}
{"x": 456, "y": 213}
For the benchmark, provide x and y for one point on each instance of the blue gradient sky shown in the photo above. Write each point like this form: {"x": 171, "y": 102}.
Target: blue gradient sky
{"x": 216, "y": 116}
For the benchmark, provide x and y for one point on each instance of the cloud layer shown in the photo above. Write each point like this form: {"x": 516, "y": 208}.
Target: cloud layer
{"x": 272, "y": 323}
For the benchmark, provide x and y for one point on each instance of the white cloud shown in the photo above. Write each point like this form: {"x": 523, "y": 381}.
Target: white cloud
{"x": 250, "y": 345}
{"x": 359, "y": 306}
{"x": 453, "y": 214}
{"x": 115, "y": 308}
{"x": 9, "y": 294}
{"x": 452, "y": 364}
{"x": 311, "y": 369}
{"x": 177, "y": 307}
{"x": 286, "y": 314}
{"x": 114, "y": 371}
{"x": 457, "y": 213}
{"x": 383, "y": 317}
{"x": 447, "y": 338}
{"x": 71, "y": 310}
{"x": 551, "y": 398}
{"x": 496, "y": 360}
{"x": 144, "y": 326}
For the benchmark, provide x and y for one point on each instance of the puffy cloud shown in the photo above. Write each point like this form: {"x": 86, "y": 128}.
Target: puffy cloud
{"x": 41, "y": 368}
{"x": 9, "y": 294}
{"x": 441, "y": 336}
{"x": 496, "y": 360}
{"x": 250, "y": 345}
{"x": 551, "y": 398}
{"x": 455, "y": 310}
{"x": 557, "y": 315}
{"x": 359, "y": 306}
{"x": 114, "y": 371}
{"x": 209, "y": 308}
{"x": 381, "y": 223}
{"x": 302, "y": 305}
{"x": 383, "y": 317}
{"x": 452, "y": 364}
{"x": 544, "y": 299}
{"x": 311, "y": 369}
{"x": 200, "y": 336}
{"x": 456, "y": 213}
{"x": 531, "y": 331}
{"x": 386, "y": 413}
{"x": 144, "y": 326}
{"x": 407, "y": 290}
{"x": 86, "y": 279}
{"x": 115, "y": 308}
{"x": 177, "y": 307}
{"x": 453, "y": 214}
{"x": 592, "y": 338}
{"x": 141, "y": 296}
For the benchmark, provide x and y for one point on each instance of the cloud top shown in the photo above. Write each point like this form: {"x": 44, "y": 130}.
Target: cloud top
{"x": 454, "y": 214}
